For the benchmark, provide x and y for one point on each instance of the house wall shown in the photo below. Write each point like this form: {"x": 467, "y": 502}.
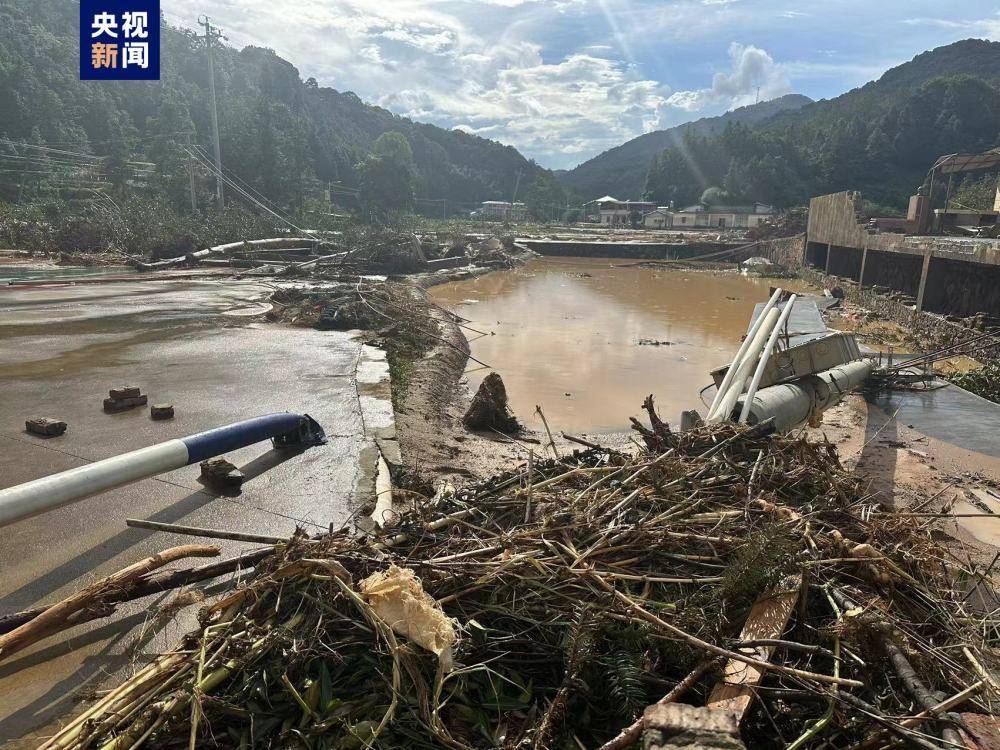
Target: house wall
{"x": 934, "y": 330}
{"x": 941, "y": 274}
{"x": 711, "y": 219}
{"x": 962, "y": 289}
{"x": 616, "y": 216}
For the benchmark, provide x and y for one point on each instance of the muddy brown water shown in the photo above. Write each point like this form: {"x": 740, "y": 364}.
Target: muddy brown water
{"x": 567, "y": 333}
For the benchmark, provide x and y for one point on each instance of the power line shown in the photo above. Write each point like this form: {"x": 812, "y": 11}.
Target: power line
{"x": 222, "y": 177}
{"x": 232, "y": 175}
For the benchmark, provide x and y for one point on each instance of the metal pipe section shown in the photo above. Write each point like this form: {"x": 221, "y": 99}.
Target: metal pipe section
{"x": 792, "y": 404}
{"x": 728, "y": 377}
{"x": 287, "y": 430}
{"x": 764, "y": 357}
{"x": 728, "y": 399}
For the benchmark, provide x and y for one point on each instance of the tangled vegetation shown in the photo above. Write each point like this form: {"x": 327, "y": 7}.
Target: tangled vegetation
{"x": 984, "y": 381}
{"x": 547, "y": 607}
{"x": 141, "y": 227}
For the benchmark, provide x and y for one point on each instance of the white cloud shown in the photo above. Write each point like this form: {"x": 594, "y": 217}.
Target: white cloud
{"x": 754, "y": 73}
{"x": 573, "y": 106}
{"x": 563, "y": 79}
{"x": 987, "y": 28}
{"x": 476, "y": 65}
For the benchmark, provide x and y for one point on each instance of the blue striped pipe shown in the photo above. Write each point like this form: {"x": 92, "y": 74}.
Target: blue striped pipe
{"x": 51, "y": 492}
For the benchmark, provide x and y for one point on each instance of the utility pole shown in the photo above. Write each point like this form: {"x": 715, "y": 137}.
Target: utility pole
{"x": 211, "y": 34}
{"x": 513, "y": 200}
{"x": 190, "y": 165}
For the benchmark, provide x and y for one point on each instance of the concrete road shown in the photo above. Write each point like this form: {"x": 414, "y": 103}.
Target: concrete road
{"x": 199, "y": 345}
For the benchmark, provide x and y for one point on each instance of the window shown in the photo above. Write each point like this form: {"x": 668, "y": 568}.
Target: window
{"x": 684, "y": 220}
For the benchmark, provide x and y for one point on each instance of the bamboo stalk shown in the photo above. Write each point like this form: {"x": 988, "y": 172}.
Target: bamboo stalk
{"x": 54, "y": 618}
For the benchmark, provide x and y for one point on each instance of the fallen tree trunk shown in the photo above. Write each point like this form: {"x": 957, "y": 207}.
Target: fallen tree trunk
{"x": 56, "y": 617}
{"x": 279, "y": 242}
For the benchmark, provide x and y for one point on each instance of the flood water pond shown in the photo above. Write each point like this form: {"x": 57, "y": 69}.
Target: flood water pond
{"x": 587, "y": 339}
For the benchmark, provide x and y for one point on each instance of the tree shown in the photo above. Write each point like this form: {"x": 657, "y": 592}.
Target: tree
{"x": 388, "y": 177}
{"x": 714, "y": 196}
{"x": 544, "y": 198}
{"x": 976, "y": 193}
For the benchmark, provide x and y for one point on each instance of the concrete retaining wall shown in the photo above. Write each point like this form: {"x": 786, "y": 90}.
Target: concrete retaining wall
{"x": 786, "y": 251}
{"x": 932, "y": 328}
{"x": 637, "y": 250}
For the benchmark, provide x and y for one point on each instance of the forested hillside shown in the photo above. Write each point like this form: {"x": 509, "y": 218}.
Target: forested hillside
{"x": 282, "y": 136}
{"x": 621, "y": 171}
{"x": 880, "y": 139}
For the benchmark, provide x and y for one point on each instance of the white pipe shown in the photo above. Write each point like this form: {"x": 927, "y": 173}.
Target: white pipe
{"x": 55, "y": 490}
{"x": 764, "y": 357}
{"x": 728, "y": 378}
{"x": 743, "y": 370}
{"x": 48, "y": 493}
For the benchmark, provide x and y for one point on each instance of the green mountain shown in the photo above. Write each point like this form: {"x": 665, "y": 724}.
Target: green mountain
{"x": 281, "y": 136}
{"x": 880, "y": 138}
{"x": 621, "y": 171}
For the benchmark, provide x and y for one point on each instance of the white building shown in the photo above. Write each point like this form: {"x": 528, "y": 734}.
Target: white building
{"x": 612, "y": 212}
{"x": 719, "y": 217}
{"x": 502, "y": 211}
{"x": 659, "y": 218}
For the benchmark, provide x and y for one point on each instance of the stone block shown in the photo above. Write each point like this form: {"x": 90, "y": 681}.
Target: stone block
{"x": 112, "y": 405}
{"x": 125, "y": 391}
{"x": 161, "y": 411}
{"x": 45, "y": 426}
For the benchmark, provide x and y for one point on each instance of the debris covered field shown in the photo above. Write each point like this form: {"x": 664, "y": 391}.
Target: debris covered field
{"x": 549, "y": 606}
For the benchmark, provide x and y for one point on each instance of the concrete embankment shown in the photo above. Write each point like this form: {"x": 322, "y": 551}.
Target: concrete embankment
{"x": 637, "y": 250}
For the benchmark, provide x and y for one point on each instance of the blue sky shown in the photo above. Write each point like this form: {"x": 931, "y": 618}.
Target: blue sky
{"x": 563, "y": 80}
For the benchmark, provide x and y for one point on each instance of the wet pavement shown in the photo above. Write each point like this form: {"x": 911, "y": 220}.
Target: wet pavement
{"x": 950, "y": 414}
{"x": 587, "y": 339}
{"x": 201, "y": 347}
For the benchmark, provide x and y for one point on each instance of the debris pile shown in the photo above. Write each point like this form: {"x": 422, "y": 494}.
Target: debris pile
{"x": 760, "y": 266}
{"x": 359, "y": 250}
{"x": 489, "y": 409}
{"x": 549, "y": 606}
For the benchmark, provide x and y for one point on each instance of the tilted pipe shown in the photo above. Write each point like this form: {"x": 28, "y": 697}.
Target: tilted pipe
{"x": 48, "y": 493}
{"x": 728, "y": 377}
{"x": 279, "y": 242}
{"x": 728, "y": 400}
{"x": 764, "y": 357}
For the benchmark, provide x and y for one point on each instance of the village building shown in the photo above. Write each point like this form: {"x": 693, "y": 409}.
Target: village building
{"x": 702, "y": 216}
{"x": 502, "y": 211}
{"x": 612, "y": 212}
{"x": 658, "y": 218}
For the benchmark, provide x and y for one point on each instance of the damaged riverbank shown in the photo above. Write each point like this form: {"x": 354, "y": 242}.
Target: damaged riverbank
{"x": 788, "y": 612}
{"x": 480, "y": 541}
